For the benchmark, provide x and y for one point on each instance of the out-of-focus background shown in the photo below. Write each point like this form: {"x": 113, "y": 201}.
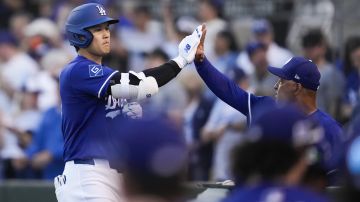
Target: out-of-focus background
{"x": 243, "y": 38}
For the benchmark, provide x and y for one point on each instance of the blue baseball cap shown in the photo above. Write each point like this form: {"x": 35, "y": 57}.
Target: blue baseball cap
{"x": 285, "y": 124}
{"x": 251, "y": 47}
{"x": 301, "y": 71}
{"x": 261, "y": 26}
{"x": 8, "y": 38}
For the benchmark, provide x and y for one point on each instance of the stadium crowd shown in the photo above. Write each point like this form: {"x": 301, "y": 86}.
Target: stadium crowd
{"x": 33, "y": 50}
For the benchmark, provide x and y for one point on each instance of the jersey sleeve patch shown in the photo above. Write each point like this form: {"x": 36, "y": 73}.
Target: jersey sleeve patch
{"x": 95, "y": 71}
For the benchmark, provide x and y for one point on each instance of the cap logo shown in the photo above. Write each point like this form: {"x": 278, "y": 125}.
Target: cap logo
{"x": 297, "y": 77}
{"x": 101, "y": 10}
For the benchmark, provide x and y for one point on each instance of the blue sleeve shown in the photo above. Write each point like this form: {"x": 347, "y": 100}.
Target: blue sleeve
{"x": 32, "y": 149}
{"x": 222, "y": 87}
{"x": 55, "y": 145}
{"x": 91, "y": 78}
{"x": 37, "y": 142}
{"x": 54, "y": 142}
{"x": 228, "y": 91}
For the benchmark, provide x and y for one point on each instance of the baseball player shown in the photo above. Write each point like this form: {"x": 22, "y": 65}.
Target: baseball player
{"x": 94, "y": 100}
{"x": 298, "y": 82}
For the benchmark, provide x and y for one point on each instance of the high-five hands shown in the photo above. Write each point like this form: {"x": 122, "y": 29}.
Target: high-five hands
{"x": 200, "y": 54}
{"x": 188, "y": 47}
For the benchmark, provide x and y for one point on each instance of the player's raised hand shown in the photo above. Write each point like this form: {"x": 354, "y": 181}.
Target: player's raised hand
{"x": 200, "y": 54}
{"x": 188, "y": 46}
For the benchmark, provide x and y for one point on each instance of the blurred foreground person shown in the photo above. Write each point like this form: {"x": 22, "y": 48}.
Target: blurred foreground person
{"x": 350, "y": 192}
{"x": 153, "y": 158}
{"x": 270, "y": 165}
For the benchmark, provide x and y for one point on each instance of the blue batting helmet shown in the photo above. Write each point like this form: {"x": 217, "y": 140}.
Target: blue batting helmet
{"x": 82, "y": 17}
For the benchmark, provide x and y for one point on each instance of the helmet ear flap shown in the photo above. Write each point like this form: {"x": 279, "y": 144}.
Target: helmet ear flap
{"x": 81, "y": 38}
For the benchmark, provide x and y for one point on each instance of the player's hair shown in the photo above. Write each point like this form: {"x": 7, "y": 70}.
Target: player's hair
{"x": 267, "y": 160}
{"x": 159, "y": 53}
{"x": 229, "y": 37}
{"x": 352, "y": 43}
{"x": 313, "y": 38}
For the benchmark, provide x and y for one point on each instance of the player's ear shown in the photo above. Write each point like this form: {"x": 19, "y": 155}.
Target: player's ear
{"x": 298, "y": 88}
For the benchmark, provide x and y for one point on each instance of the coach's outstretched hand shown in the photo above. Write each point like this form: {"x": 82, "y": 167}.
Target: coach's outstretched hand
{"x": 200, "y": 54}
{"x": 188, "y": 46}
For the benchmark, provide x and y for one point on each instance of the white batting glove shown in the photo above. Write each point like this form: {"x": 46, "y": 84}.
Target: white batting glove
{"x": 187, "y": 48}
{"x": 133, "y": 110}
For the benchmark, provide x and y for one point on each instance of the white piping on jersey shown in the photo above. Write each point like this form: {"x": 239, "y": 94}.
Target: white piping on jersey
{"x": 106, "y": 82}
{"x": 249, "y": 107}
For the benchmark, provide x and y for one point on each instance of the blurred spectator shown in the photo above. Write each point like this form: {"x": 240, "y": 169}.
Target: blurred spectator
{"x": 16, "y": 66}
{"x": 46, "y": 148}
{"x": 154, "y": 168}
{"x": 281, "y": 137}
{"x": 18, "y": 22}
{"x": 225, "y": 51}
{"x": 9, "y": 8}
{"x": 196, "y": 113}
{"x": 52, "y": 63}
{"x": 263, "y": 32}
{"x": 351, "y": 68}
{"x": 20, "y": 129}
{"x": 332, "y": 82}
{"x": 143, "y": 36}
{"x": 225, "y": 127}
{"x": 309, "y": 15}
{"x": 261, "y": 81}
{"x": 175, "y": 29}
{"x": 166, "y": 102}
{"x": 350, "y": 192}
{"x": 209, "y": 12}
{"x": 42, "y": 35}
{"x": 62, "y": 10}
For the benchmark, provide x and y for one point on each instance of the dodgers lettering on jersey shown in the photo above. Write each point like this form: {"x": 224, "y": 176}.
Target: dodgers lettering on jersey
{"x": 251, "y": 106}
{"x": 88, "y": 117}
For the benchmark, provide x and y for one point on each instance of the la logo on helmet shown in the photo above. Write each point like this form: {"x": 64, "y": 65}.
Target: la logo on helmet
{"x": 101, "y": 10}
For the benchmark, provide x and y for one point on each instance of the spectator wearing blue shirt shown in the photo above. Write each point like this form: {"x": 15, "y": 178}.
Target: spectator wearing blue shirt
{"x": 298, "y": 82}
{"x": 351, "y": 69}
{"x": 46, "y": 149}
{"x": 271, "y": 162}
{"x": 45, "y": 152}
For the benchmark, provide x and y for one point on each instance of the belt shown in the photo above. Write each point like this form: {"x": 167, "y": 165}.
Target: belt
{"x": 94, "y": 162}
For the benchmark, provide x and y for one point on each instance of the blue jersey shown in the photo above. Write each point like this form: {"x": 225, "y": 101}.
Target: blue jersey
{"x": 251, "y": 105}
{"x": 270, "y": 192}
{"x": 88, "y": 117}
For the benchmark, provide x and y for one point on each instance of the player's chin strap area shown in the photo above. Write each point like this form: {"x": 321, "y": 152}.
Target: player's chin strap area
{"x": 147, "y": 87}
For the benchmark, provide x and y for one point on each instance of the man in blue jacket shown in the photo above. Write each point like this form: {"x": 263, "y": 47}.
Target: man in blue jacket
{"x": 298, "y": 82}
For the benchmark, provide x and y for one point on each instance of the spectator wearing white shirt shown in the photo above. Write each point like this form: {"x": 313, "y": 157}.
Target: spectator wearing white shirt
{"x": 263, "y": 32}
{"x": 225, "y": 126}
{"x": 16, "y": 65}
